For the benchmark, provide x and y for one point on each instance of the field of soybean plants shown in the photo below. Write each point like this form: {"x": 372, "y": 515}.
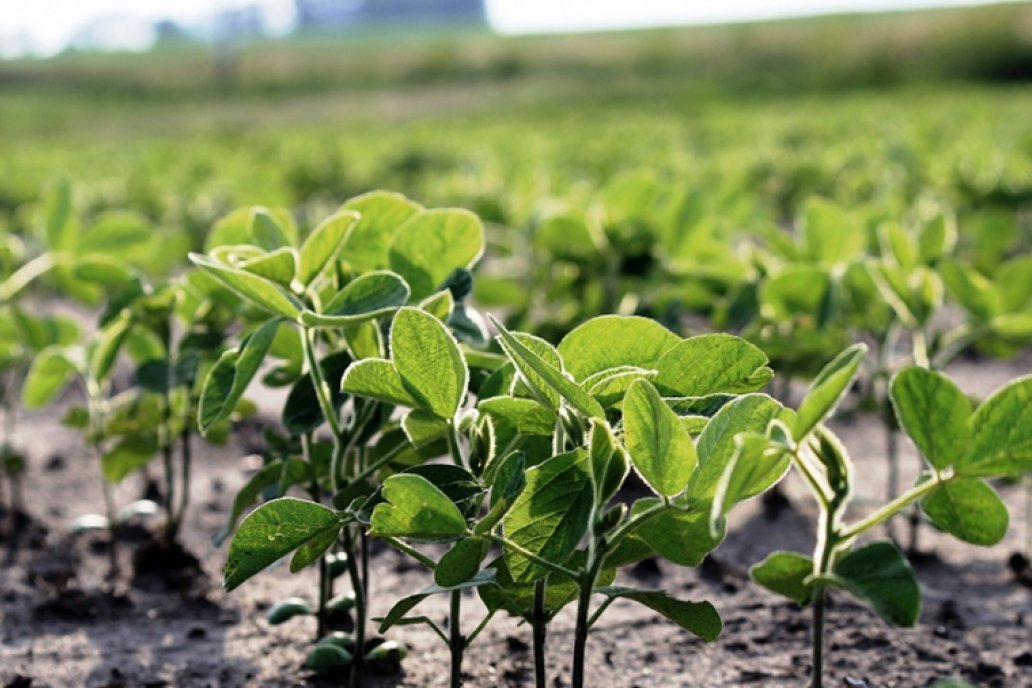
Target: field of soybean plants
{"x": 616, "y": 360}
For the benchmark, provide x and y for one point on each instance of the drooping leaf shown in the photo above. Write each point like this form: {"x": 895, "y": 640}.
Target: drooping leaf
{"x": 683, "y": 537}
{"x": 784, "y": 573}
{"x": 660, "y": 447}
{"x": 969, "y": 509}
{"x": 698, "y": 618}
{"x": 272, "y": 531}
{"x": 879, "y": 574}
{"x": 462, "y": 562}
{"x": 934, "y": 413}
{"x": 285, "y": 473}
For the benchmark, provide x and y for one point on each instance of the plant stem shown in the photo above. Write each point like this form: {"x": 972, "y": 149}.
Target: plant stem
{"x": 360, "y": 609}
{"x": 890, "y": 509}
{"x": 892, "y": 456}
{"x": 539, "y": 623}
{"x": 819, "y": 601}
{"x": 580, "y": 638}
{"x": 109, "y": 512}
{"x": 186, "y": 458}
{"x": 324, "y": 591}
{"x": 456, "y": 642}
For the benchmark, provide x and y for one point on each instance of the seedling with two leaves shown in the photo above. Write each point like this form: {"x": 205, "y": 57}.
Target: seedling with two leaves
{"x": 962, "y": 447}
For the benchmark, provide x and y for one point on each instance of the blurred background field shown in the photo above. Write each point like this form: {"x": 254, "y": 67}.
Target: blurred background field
{"x": 739, "y": 124}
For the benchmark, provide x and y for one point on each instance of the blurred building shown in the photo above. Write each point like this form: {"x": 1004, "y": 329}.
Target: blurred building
{"x": 318, "y": 14}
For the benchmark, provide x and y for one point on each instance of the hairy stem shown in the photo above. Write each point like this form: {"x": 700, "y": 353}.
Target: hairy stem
{"x": 580, "y": 637}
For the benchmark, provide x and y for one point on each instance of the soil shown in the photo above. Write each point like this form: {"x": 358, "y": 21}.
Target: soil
{"x": 66, "y": 623}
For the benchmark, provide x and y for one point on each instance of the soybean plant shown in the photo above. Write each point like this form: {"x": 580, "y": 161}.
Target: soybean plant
{"x": 326, "y": 299}
{"x": 961, "y": 447}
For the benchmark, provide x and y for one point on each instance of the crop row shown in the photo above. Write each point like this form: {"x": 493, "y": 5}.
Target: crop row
{"x": 498, "y": 464}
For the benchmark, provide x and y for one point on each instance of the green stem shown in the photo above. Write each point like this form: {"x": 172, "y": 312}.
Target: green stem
{"x": 186, "y": 457}
{"x": 456, "y": 642}
{"x": 524, "y": 552}
{"x": 819, "y": 602}
{"x": 324, "y": 575}
{"x": 892, "y": 456}
{"x": 891, "y": 509}
{"x": 580, "y": 637}
{"x": 360, "y": 610}
{"x": 539, "y": 623}
{"x": 109, "y": 512}
{"x": 411, "y": 551}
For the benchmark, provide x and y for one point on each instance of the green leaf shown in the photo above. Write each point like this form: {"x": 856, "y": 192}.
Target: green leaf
{"x": 415, "y": 508}
{"x": 130, "y": 454}
{"x": 757, "y": 464}
{"x": 968, "y": 509}
{"x": 268, "y": 232}
{"x": 879, "y": 574}
{"x": 432, "y": 244}
{"x": 250, "y": 287}
{"x": 302, "y": 411}
{"x": 230, "y": 376}
{"x": 397, "y": 613}
{"x": 429, "y": 361}
{"x": 272, "y": 531}
{"x": 312, "y": 550}
{"x": 710, "y": 364}
{"x": 422, "y": 427}
{"x": 785, "y": 573}
{"x": 283, "y": 473}
{"x": 365, "y": 298}
{"x": 517, "y": 599}
{"x": 551, "y": 514}
{"x": 101, "y": 269}
{"x": 377, "y": 378}
{"x": 462, "y": 562}
{"x": 609, "y": 386}
{"x": 827, "y": 389}
{"x": 51, "y": 371}
{"x": 365, "y": 247}
{"x": 683, "y": 537}
{"x": 323, "y": 243}
{"x": 528, "y": 416}
{"x": 609, "y": 464}
{"x": 934, "y": 413}
{"x": 537, "y": 371}
{"x": 104, "y": 353}
{"x": 278, "y": 266}
{"x": 699, "y": 618}
{"x": 661, "y": 449}
{"x": 716, "y": 446}
{"x": 59, "y": 220}
{"x": 612, "y": 341}
{"x": 1001, "y": 430}
{"x": 532, "y": 385}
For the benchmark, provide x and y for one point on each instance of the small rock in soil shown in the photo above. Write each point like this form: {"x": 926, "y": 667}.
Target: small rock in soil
{"x": 749, "y": 676}
{"x": 853, "y": 682}
{"x": 516, "y": 645}
{"x": 1023, "y": 660}
{"x": 56, "y": 462}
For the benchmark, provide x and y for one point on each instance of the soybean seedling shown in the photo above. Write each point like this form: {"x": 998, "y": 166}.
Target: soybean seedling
{"x": 961, "y": 448}
{"x": 331, "y": 292}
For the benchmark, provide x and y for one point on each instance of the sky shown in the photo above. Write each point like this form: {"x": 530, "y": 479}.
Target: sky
{"x": 45, "y": 27}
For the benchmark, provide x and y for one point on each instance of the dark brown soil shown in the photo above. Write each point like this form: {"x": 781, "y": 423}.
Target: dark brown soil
{"x": 64, "y": 623}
